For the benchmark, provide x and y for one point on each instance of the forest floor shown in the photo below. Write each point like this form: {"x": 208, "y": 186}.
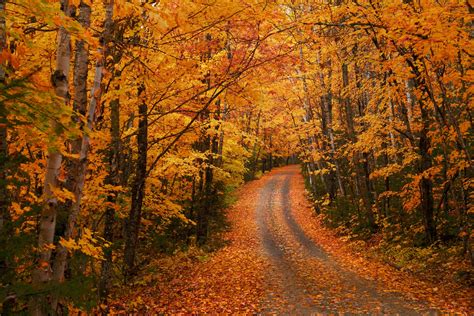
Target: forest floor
{"x": 280, "y": 259}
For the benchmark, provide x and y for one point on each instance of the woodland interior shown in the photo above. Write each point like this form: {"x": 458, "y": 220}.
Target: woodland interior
{"x": 155, "y": 155}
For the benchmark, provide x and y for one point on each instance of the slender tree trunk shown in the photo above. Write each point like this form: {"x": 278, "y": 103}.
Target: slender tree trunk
{"x": 424, "y": 147}
{"x": 270, "y": 155}
{"x": 330, "y": 177}
{"x": 426, "y": 185}
{"x": 76, "y": 167}
{"x": 138, "y": 192}
{"x": 255, "y": 152}
{"x": 4, "y": 197}
{"x": 333, "y": 144}
{"x": 208, "y": 145}
{"x": 307, "y": 118}
{"x": 264, "y": 158}
{"x": 220, "y": 150}
{"x": 366, "y": 189}
{"x": 351, "y": 130}
{"x": 5, "y": 220}
{"x": 326, "y": 145}
{"x": 347, "y": 104}
{"x": 386, "y": 203}
{"x": 47, "y": 221}
{"x": 113, "y": 177}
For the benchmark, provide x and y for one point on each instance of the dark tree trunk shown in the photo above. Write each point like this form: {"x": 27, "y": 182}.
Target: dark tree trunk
{"x": 426, "y": 185}
{"x": 424, "y": 146}
{"x": 256, "y": 152}
{"x": 331, "y": 178}
{"x": 5, "y": 220}
{"x": 360, "y": 161}
{"x": 113, "y": 178}
{"x": 4, "y": 199}
{"x": 369, "y": 198}
{"x": 138, "y": 192}
{"x": 114, "y": 154}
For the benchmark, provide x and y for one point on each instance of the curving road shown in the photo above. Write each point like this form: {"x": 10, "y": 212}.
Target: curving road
{"x": 302, "y": 279}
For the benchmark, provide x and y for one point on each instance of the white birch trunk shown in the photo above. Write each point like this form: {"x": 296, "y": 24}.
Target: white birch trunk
{"x": 47, "y": 221}
{"x": 48, "y": 214}
{"x": 80, "y": 147}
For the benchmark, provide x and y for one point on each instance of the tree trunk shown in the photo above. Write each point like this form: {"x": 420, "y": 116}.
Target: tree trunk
{"x": 426, "y": 185}
{"x": 330, "y": 177}
{"x": 47, "y": 221}
{"x": 368, "y": 195}
{"x": 76, "y": 167}
{"x": 220, "y": 150}
{"x": 425, "y": 162}
{"x": 4, "y": 198}
{"x": 270, "y": 156}
{"x": 333, "y": 144}
{"x": 362, "y": 166}
{"x": 5, "y": 219}
{"x": 138, "y": 192}
{"x": 113, "y": 177}
{"x": 307, "y": 118}
{"x": 255, "y": 152}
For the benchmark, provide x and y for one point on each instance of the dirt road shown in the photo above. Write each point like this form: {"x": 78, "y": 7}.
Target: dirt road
{"x": 303, "y": 278}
